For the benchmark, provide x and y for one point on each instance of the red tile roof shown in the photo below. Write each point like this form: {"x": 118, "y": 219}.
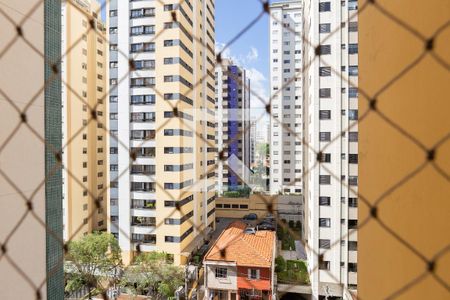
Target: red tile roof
{"x": 233, "y": 245}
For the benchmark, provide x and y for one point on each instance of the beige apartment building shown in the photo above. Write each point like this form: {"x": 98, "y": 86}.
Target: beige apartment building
{"x": 162, "y": 111}
{"x": 84, "y": 88}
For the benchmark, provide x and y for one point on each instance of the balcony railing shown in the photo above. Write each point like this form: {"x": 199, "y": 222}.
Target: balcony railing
{"x": 150, "y": 205}
{"x": 146, "y": 224}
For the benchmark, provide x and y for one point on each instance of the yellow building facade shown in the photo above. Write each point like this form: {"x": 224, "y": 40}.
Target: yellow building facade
{"x": 162, "y": 113}
{"x": 84, "y": 89}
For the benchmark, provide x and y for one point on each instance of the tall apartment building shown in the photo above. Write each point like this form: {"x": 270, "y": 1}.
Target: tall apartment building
{"x": 232, "y": 126}
{"x": 252, "y": 141}
{"x": 84, "y": 88}
{"x": 286, "y": 95}
{"x": 331, "y": 182}
{"x": 30, "y": 184}
{"x": 162, "y": 118}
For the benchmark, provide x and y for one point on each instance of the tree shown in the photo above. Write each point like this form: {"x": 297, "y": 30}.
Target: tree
{"x": 263, "y": 149}
{"x": 153, "y": 275}
{"x": 280, "y": 264}
{"x": 93, "y": 262}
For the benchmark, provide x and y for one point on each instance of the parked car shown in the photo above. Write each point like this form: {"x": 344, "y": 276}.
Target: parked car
{"x": 269, "y": 217}
{"x": 265, "y": 226}
{"x": 250, "y": 230}
{"x": 250, "y": 217}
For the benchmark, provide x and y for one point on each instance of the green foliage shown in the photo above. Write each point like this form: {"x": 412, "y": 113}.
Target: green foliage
{"x": 263, "y": 149}
{"x": 287, "y": 240}
{"x": 280, "y": 233}
{"x": 92, "y": 261}
{"x": 243, "y": 192}
{"x": 153, "y": 274}
{"x": 296, "y": 265}
{"x": 288, "y": 243}
{"x": 296, "y": 272}
{"x": 280, "y": 264}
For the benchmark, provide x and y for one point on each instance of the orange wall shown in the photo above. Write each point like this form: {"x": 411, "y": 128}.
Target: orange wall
{"x": 262, "y": 284}
{"x": 417, "y": 210}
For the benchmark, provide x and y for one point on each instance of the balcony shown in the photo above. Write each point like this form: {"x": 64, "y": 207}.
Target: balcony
{"x": 143, "y": 225}
{"x": 147, "y": 187}
{"x": 143, "y": 208}
{"x": 143, "y": 204}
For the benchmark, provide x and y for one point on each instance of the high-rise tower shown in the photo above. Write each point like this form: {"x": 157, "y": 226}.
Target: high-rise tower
{"x": 162, "y": 121}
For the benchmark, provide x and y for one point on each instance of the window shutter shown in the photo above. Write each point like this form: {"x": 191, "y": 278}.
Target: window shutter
{"x": 249, "y": 273}
{"x": 257, "y": 274}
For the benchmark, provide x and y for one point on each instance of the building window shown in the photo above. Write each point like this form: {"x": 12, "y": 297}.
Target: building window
{"x": 325, "y": 136}
{"x": 253, "y": 274}
{"x": 353, "y": 136}
{"x": 353, "y": 92}
{"x": 221, "y": 272}
{"x": 325, "y": 71}
{"x": 352, "y": 48}
{"x": 324, "y": 179}
{"x": 352, "y": 4}
{"x": 353, "y": 180}
{"x": 324, "y": 222}
{"x": 324, "y": 93}
{"x": 353, "y": 26}
{"x": 142, "y": 12}
{"x": 325, "y": 28}
{"x": 352, "y": 224}
{"x": 324, "y": 244}
{"x": 324, "y": 265}
{"x": 324, "y": 114}
{"x": 352, "y": 246}
{"x": 353, "y": 70}
{"x": 324, "y": 49}
{"x": 353, "y": 202}
{"x": 353, "y": 158}
{"x": 324, "y": 157}
{"x": 353, "y": 114}
{"x": 324, "y": 201}
{"x": 324, "y": 6}
{"x": 353, "y": 267}
{"x": 139, "y": 30}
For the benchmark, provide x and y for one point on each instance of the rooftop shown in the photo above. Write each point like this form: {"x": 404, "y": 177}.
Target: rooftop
{"x": 233, "y": 245}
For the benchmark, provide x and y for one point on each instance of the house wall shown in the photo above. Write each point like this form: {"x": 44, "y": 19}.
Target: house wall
{"x": 229, "y": 283}
{"x": 263, "y": 283}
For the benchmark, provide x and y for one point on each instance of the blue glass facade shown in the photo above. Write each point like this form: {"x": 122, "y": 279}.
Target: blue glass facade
{"x": 233, "y": 124}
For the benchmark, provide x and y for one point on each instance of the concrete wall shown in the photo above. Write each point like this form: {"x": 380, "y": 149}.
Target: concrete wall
{"x": 418, "y": 210}
{"x": 287, "y": 207}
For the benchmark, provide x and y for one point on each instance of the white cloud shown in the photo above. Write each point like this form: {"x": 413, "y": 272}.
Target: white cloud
{"x": 253, "y": 54}
{"x": 258, "y": 82}
{"x": 258, "y": 86}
